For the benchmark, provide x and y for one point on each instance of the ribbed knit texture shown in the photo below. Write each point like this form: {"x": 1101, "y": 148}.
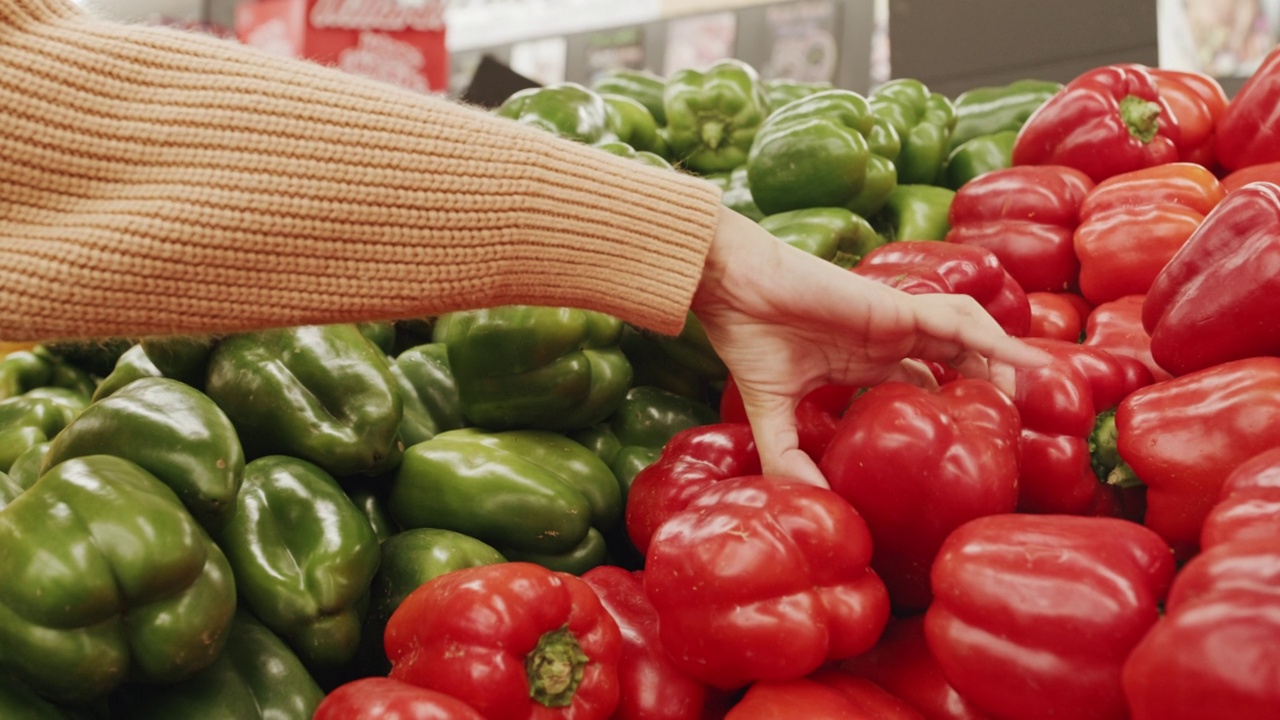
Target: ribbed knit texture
{"x": 154, "y": 181}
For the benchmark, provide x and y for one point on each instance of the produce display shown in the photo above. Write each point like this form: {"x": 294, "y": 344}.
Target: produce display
{"x": 539, "y": 512}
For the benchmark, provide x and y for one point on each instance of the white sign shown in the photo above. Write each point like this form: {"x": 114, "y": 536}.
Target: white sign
{"x": 483, "y": 23}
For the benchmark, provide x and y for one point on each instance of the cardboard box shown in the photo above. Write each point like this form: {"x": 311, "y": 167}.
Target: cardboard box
{"x": 397, "y": 41}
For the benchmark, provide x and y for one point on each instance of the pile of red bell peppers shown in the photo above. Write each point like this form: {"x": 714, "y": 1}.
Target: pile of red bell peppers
{"x": 540, "y": 513}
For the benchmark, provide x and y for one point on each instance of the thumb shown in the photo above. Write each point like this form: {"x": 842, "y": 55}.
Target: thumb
{"x": 773, "y": 423}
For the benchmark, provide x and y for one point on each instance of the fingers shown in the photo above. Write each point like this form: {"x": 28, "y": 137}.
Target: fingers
{"x": 959, "y": 320}
{"x": 773, "y": 423}
{"x": 915, "y": 373}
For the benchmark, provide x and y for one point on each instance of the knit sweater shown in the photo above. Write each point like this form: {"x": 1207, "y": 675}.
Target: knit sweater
{"x": 154, "y": 181}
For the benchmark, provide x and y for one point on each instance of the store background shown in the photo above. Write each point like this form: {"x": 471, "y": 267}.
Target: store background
{"x": 951, "y": 45}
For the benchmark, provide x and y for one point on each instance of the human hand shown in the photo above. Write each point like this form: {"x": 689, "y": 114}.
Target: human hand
{"x": 785, "y": 322}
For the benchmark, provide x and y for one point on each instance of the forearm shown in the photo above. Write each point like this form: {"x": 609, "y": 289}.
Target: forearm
{"x": 161, "y": 182}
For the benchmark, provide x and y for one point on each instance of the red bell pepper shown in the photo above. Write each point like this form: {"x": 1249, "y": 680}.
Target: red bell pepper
{"x": 382, "y": 698}
{"x": 1107, "y": 121}
{"x": 650, "y": 686}
{"x": 1249, "y": 507}
{"x": 513, "y": 640}
{"x": 1216, "y": 651}
{"x": 827, "y": 695}
{"x": 1132, "y": 224}
{"x": 1034, "y": 615}
{"x": 930, "y": 266}
{"x": 817, "y": 413}
{"x": 916, "y": 464}
{"x": 1182, "y": 437}
{"x": 690, "y": 462}
{"x": 1057, "y": 315}
{"x": 1116, "y": 327}
{"x": 1248, "y": 133}
{"x": 1197, "y": 100}
{"x": 1218, "y": 300}
{"x": 1264, "y": 172}
{"x": 763, "y": 578}
{"x": 1059, "y": 405}
{"x": 903, "y": 665}
{"x": 1027, "y": 216}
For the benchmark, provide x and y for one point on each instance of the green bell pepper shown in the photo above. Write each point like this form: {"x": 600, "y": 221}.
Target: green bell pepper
{"x": 409, "y": 559}
{"x": 322, "y": 393}
{"x": 303, "y": 556}
{"x": 172, "y": 431}
{"x": 382, "y": 334}
{"x": 567, "y": 109}
{"x": 428, "y": 391}
{"x": 685, "y": 364}
{"x": 736, "y": 192}
{"x": 529, "y": 367}
{"x": 24, "y": 370}
{"x": 622, "y": 149}
{"x": 25, "y": 469}
{"x": 644, "y": 86}
{"x": 32, "y": 418}
{"x": 997, "y": 108}
{"x": 633, "y": 124}
{"x": 257, "y": 677}
{"x": 107, "y": 578}
{"x": 133, "y": 364}
{"x": 977, "y": 156}
{"x": 924, "y": 121}
{"x": 95, "y": 357}
{"x": 915, "y": 212}
{"x": 782, "y": 91}
{"x": 181, "y": 357}
{"x": 525, "y": 492}
{"x": 835, "y": 234}
{"x": 19, "y": 702}
{"x": 713, "y": 115}
{"x": 825, "y": 150}
{"x": 10, "y": 489}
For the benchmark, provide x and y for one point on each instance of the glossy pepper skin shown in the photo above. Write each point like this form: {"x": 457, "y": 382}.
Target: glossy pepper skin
{"x": 1248, "y": 132}
{"x": 382, "y": 698}
{"x": 831, "y": 233}
{"x": 916, "y": 464}
{"x": 942, "y": 267}
{"x": 182, "y": 437}
{"x": 632, "y": 123}
{"x": 1216, "y": 301}
{"x": 256, "y": 677}
{"x": 837, "y": 698}
{"x": 569, "y": 110}
{"x": 979, "y": 156}
{"x": 1058, "y": 316}
{"x": 783, "y": 90}
{"x": 533, "y": 367}
{"x": 1058, "y": 405}
{"x": 108, "y": 578}
{"x": 915, "y": 212}
{"x": 1214, "y": 650}
{"x": 644, "y": 86}
{"x": 763, "y": 578}
{"x": 303, "y": 556}
{"x": 32, "y": 418}
{"x": 322, "y": 393}
{"x": 533, "y": 495}
{"x": 713, "y": 115}
{"x": 428, "y": 393}
{"x": 650, "y": 685}
{"x": 1169, "y": 202}
{"x": 1262, "y": 172}
{"x": 692, "y": 461}
{"x": 987, "y": 110}
{"x": 924, "y": 120}
{"x": 736, "y": 193}
{"x": 1116, "y": 327}
{"x": 1182, "y": 437}
{"x": 24, "y": 370}
{"x": 817, "y": 414}
{"x": 1034, "y": 615}
{"x": 1107, "y": 121}
{"x": 513, "y": 640}
{"x": 829, "y": 149}
{"x": 1027, "y": 216}
{"x": 1197, "y": 100}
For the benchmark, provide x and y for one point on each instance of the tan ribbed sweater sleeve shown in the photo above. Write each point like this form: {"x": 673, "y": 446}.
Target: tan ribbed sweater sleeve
{"x": 154, "y": 181}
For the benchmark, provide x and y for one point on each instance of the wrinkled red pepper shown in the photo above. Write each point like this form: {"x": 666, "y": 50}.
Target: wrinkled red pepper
{"x": 1027, "y": 216}
{"x": 1248, "y": 133}
{"x": 1218, "y": 300}
{"x": 817, "y": 413}
{"x": 1197, "y": 100}
{"x": 1249, "y": 506}
{"x": 1059, "y": 405}
{"x": 1167, "y": 203}
{"x": 1116, "y": 327}
{"x": 650, "y": 686}
{"x": 929, "y": 266}
{"x": 513, "y": 640}
{"x": 1182, "y": 437}
{"x": 903, "y": 665}
{"x": 916, "y": 464}
{"x": 1057, "y": 315}
{"x": 382, "y": 698}
{"x": 1034, "y": 615}
{"x": 763, "y": 578}
{"x": 1107, "y": 121}
{"x": 690, "y": 462}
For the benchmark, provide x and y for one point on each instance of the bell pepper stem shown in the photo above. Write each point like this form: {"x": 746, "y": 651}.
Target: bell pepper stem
{"x": 713, "y": 134}
{"x": 555, "y": 668}
{"x": 1107, "y": 463}
{"x": 1140, "y": 116}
